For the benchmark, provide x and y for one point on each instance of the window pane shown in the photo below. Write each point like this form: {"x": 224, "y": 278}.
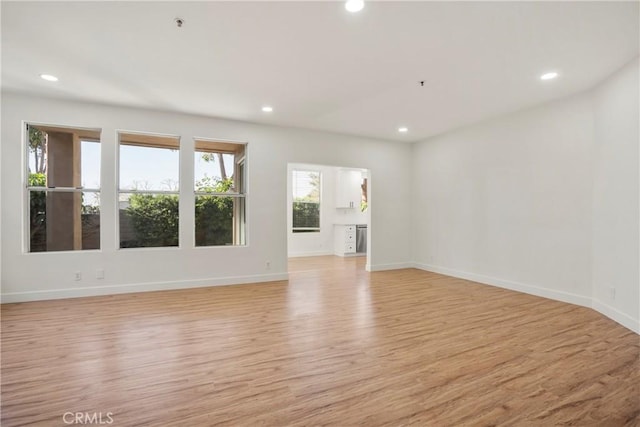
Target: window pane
{"x": 241, "y": 181}
{"x": 306, "y": 216}
{"x": 149, "y": 162}
{"x": 90, "y": 164}
{"x": 37, "y": 141}
{"x": 219, "y": 168}
{"x": 63, "y": 157}
{"x": 90, "y": 220}
{"x": 63, "y": 221}
{"x": 149, "y": 168}
{"x": 306, "y": 186}
{"x": 215, "y": 225}
{"x": 148, "y": 220}
{"x": 215, "y": 166}
{"x": 306, "y": 201}
{"x": 210, "y": 176}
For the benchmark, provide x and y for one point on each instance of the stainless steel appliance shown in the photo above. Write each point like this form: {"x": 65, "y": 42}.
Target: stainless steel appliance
{"x": 361, "y": 239}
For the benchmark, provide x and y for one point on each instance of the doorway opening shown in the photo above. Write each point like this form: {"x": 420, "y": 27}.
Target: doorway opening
{"x": 328, "y": 217}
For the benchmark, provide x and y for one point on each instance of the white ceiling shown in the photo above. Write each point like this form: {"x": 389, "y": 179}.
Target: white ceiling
{"x": 319, "y": 66}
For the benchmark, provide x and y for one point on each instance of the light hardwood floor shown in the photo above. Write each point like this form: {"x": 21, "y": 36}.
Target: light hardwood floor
{"x": 333, "y": 346}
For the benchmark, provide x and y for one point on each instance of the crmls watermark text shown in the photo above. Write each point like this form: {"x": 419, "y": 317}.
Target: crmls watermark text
{"x": 96, "y": 418}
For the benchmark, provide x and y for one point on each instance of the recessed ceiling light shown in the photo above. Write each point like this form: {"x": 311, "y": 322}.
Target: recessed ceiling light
{"x": 354, "y": 5}
{"x": 549, "y": 76}
{"x": 267, "y": 109}
{"x": 48, "y": 77}
{"x": 403, "y": 129}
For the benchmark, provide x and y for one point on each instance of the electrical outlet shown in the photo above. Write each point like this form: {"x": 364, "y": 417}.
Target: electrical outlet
{"x": 100, "y": 273}
{"x": 612, "y": 292}
{"x": 268, "y": 265}
{"x": 78, "y": 276}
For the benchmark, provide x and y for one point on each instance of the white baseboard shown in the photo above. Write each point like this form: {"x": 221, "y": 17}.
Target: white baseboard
{"x": 305, "y": 254}
{"x": 616, "y": 315}
{"x": 612, "y": 313}
{"x": 395, "y": 266}
{"x": 350, "y": 255}
{"x": 137, "y": 287}
{"x": 506, "y": 284}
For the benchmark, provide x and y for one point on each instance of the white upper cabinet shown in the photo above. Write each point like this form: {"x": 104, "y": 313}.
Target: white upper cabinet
{"x": 348, "y": 189}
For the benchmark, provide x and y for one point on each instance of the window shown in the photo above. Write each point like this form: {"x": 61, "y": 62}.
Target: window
{"x": 63, "y": 186}
{"x": 306, "y": 201}
{"x": 220, "y": 193}
{"x": 148, "y": 195}
{"x": 364, "y": 201}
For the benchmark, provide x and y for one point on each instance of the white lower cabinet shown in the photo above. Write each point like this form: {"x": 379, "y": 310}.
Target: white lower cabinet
{"x": 344, "y": 240}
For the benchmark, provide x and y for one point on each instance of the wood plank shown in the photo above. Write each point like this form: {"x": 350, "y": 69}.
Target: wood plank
{"x": 148, "y": 140}
{"x": 208, "y": 146}
{"x": 334, "y": 345}
{"x": 84, "y": 134}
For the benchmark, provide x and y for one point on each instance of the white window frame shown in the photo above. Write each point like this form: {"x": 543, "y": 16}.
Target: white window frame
{"x": 119, "y": 191}
{"x": 240, "y": 234}
{"x": 320, "y": 179}
{"x": 26, "y": 246}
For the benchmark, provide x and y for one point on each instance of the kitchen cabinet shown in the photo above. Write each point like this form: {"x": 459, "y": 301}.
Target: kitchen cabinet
{"x": 344, "y": 240}
{"x": 348, "y": 189}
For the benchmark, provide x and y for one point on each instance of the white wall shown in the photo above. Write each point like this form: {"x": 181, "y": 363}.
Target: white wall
{"x": 51, "y": 275}
{"x": 544, "y": 201}
{"x": 616, "y": 211}
{"x": 508, "y": 202}
{"x": 1, "y": 192}
{"x": 352, "y": 216}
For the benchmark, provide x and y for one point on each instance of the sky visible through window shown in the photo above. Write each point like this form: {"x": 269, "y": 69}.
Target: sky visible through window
{"x": 143, "y": 168}
{"x": 303, "y": 184}
{"x": 149, "y": 168}
{"x": 90, "y": 164}
{"x": 211, "y": 169}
